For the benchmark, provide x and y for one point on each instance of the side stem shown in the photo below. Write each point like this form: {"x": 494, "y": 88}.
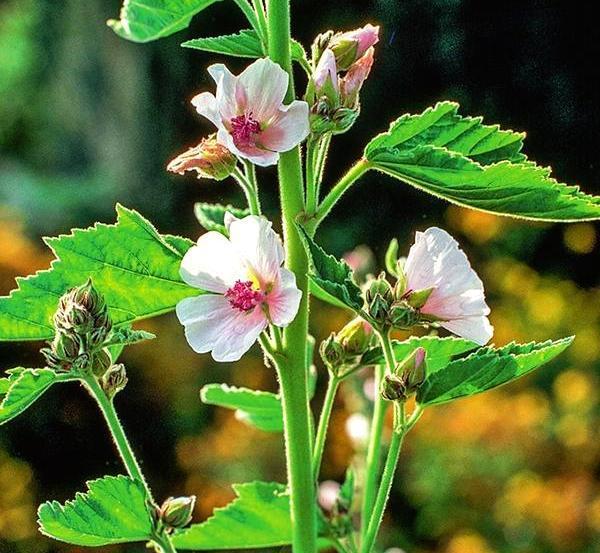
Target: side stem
{"x": 332, "y": 387}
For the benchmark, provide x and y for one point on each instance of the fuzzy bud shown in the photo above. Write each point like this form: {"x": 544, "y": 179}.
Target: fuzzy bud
{"x": 331, "y": 352}
{"x": 356, "y": 337}
{"x": 101, "y": 362}
{"x": 414, "y": 370}
{"x": 209, "y": 159}
{"x": 393, "y": 388}
{"x": 114, "y": 380}
{"x": 379, "y": 286}
{"x": 354, "y": 79}
{"x": 403, "y": 316}
{"x": 320, "y": 44}
{"x": 350, "y": 46}
{"x": 176, "y": 512}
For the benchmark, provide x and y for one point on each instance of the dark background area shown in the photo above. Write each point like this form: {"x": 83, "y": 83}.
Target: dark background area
{"x": 87, "y": 120}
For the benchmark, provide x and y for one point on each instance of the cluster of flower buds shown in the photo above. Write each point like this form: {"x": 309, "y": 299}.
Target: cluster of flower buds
{"x": 209, "y": 159}
{"x": 342, "y": 350}
{"x": 342, "y": 62}
{"x": 175, "y": 512}
{"x": 396, "y": 306}
{"x": 406, "y": 379}
{"x": 82, "y": 325}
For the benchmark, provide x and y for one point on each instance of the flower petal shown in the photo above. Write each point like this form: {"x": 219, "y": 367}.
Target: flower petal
{"x": 265, "y": 84}
{"x": 284, "y": 300}
{"x": 206, "y": 105}
{"x": 259, "y": 245}
{"x": 228, "y": 91}
{"x": 258, "y": 156}
{"x": 288, "y": 128}
{"x": 240, "y": 331}
{"x": 477, "y": 329}
{"x": 212, "y": 264}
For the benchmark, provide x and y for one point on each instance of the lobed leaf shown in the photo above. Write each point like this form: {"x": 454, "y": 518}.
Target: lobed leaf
{"x": 135, "y": 268}
{"x": 146, "y": 20}
{"x": 212, "y": 216}
{"x": 474, "y": 165}
{"x": 256, "y": 408}
{"x": 258, "y": 517}
{"x": 113, "y": 510}
{"x": 487, "y": 368}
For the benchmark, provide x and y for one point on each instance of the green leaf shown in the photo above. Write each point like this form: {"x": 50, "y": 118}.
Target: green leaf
{"x": 487, "y": 368}
{"x": 332, "y": 277}
{"x": 475, "y": 165}
{"x": 112, "y": 511}
{"x": 256, "y": 408}
{"x": 440, "y": 351}
{"x": 135, "y": 268}
{"x": 146, "y": 20}
{"x": 244, "y": 44}
{"x": 212, "y": 216}
{"x": 125, "y": 336}
{"x": 23, "y": 387}
{"x": 258, "y": 517}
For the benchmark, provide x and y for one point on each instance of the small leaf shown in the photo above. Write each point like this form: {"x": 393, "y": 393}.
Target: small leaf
{"x": 113, "y": 510}
{"x": 132, "y": 265}
{"x": 23, "y": 387}
{"x": 126, "y": 336}
{"x": 256, "y": 408}
{"x": 146, "y": 20}
{"x": 258, "y": 517}
{"x": 476, "y": 166}
{"x": 332, "y": 277}
{"x": 487, "y": 368}
{"x": 244, "y": 44}
{"x": 439, "y": 351}
{"x": 212, "y": 216}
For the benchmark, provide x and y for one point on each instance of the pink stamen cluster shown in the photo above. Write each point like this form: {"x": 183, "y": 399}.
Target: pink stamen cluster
{"x": 242, "y": 296}
{"x": 243, "y": 127}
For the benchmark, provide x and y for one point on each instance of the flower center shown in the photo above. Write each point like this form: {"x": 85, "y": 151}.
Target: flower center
{"x": 243, "y": 127}
{"x": 242, "y": 296}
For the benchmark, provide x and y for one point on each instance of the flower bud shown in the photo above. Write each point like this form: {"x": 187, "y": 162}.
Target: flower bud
{"x": 349, "y": 47}
{"x": 331, "y": 352}
{"x": 209, "y": 159}
{"x": 414, "y": 370}
{"x": 393, "y": 388}
{"x": 403, "y": 315}
{"x": 114, "y": 380}
{"x": 418, "y": 298}
{"x": 343, "y": 119}
{"x": 354, "y": 79}
{"x": 176, "y": 512}
{"x": 325, "y": 79}
{"x": 320, "y": 44}
{"x": 379, "y": 308}
{"x": 356, "y": 337}
{"x": 379, "y": 286}
{"x": 101, "y": 362}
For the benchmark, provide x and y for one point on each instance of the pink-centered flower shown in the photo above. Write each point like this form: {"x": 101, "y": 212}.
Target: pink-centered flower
{"x": 457, "y": 300}
{"x": 246, "y": 284}
{"x": 249, "y": 113}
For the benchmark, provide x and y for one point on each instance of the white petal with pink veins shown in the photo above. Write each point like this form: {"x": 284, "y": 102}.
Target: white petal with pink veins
{"x": 213, "y": 264}
{"x": 284, "y": 300}
{"x": 265, "y": 84}
{"x": 289, "y": 127}
{"x": 206, "y": 105}
{"x": 239, "y": 332}
{"x": 477, "y": 329}
{"x": 228, "y": 92}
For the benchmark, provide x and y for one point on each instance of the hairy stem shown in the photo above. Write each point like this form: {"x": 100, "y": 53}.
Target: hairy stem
{"x": 293, "y": 368}
{"x": 332, "y": 387}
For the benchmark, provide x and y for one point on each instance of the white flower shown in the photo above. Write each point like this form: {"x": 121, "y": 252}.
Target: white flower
{"x": 457, "y": 299}
{"x": 246, "y": 284}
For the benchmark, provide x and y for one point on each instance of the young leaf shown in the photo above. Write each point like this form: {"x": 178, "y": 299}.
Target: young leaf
{"x": 126, "y": 336}
{"x": 135, "y": 268}
{"x": 475, "y": 165}
{"x": 212, "y": 216}
{"x": 146, "y": 20}
{"x": 256, "y": 408}
{"x": 331, "y": 277}
{"x": 113, "y": 510}
{"x": 23, "y": 387}
{"x": 244, "y": 44}
{"x": 487, "y": 368}
{"x": 258, "y": 517}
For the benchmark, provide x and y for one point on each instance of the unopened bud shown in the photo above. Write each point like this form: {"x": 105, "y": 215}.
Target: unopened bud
{"x": 351, "y": 46}
{"x": 114, "y": 380}
{"x": 331, "y": 352}
{"x": 414, "y": 370}
{"x": 379, "y": 308}
{"x": 379, "y": 286}
{"x": 176, "y": 512}
{"x": 325, "y": 78}
{"x": 343, "y": 119}
{"x": 403, "y": 316}
{"x": 418, "y": 298}
{"x": 320, "y": 44}
{"x": 101, "y": 362}
{"x": 354, "y": 79}
{"x": 393, "y": 388}
{"x": 356, "y": 337}
{"x": 209, "y": 159}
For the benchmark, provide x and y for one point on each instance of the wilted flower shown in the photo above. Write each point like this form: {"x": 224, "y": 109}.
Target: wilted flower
{"x": 209, "y": 159}
{"x": 456, "y": 300}
{"x": 246, "y": 284}
{"x": 249, "y": 114}
{"x": 350, "y": 46}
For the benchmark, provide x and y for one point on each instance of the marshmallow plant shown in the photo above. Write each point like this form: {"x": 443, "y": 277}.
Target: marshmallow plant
{"x": 242, "y": 284}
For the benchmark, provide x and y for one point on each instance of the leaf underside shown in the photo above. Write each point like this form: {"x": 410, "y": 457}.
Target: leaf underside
{"x": 147, "y": 20}
{"x": 487, "y": 368}
{"x": 131, "y": 264}
{"x": 475, "y": 165}
{"x": 256, "y": 408}
{"x": 258, "y": 517}
{"x": 212, "y": 216}
{"x": 113, "y": 510}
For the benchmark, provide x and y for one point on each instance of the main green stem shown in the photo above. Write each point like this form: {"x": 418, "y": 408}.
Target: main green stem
{"x": 293, "y": 369}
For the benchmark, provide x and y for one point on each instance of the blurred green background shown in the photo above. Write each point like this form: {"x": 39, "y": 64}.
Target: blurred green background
{"x": 87, "y": 119}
